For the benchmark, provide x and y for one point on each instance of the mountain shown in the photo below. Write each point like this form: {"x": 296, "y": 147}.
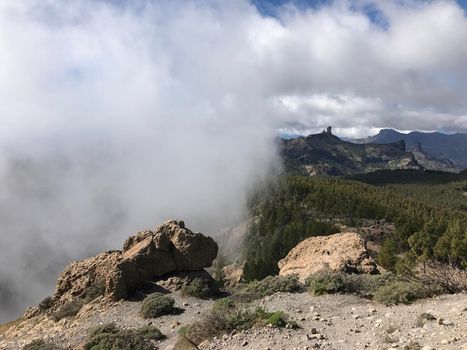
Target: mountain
{"x": 326, "y": 154}
{"x": 434, "y": 144}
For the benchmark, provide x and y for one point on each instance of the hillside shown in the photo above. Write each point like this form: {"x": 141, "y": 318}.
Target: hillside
{"x": 346, "y": 322}
{"x": 435, "y": 144}
{"x": 326, "y": 154}
{"x": 294, "y": 208}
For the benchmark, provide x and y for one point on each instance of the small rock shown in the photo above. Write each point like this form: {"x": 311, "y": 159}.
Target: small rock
{"x": 245, "y": 343}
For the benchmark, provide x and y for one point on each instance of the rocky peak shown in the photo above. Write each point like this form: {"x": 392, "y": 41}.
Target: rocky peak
{"x": 149, "y": 255}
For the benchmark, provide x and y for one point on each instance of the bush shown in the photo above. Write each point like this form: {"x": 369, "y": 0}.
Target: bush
{"x": 150, "y": 333}
{"x": 109, "y": 337}
{"x": 387, "y": 256}
{"x": 447, "y": 278}
{"x": 40, "y": 345}
{"x": 70, "y": 308}
{"x": 400, "y": 292}
{"x": 224, "y": 303}
{"x": 226, "y": 316}
{"x": 200, "y": 288}
{"x": 46, "y": 304}
{"x": 95, "y": 290}
{"x": 274, "y": 284}
{"x": 326, "y": 283}
{"x": 157, "y": 304}
{"x": 329, "y": 282}
{"x": 276, "y": 319}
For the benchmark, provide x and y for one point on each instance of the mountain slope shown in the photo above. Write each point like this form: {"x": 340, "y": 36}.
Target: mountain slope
{"x": 435, "y": 144}
{"x": 326, "y": 154}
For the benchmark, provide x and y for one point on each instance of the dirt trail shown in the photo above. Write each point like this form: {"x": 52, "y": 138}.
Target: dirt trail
{"x": 338, "y": 322}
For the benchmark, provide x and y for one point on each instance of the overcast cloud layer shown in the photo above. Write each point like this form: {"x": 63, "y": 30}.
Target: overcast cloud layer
{"x": 115, "y": 115}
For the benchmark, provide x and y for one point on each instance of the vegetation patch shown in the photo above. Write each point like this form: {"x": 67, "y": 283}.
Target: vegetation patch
{"x": 156, "y": 305}
{"x": 150, "y": 332}
{"x": 109, "y": 337}
{"x": 95, "y": 290}
{"x": 69, "y": 309}
{"x": 40, "y": 344}
{"x": 400, "y": 292}
{"x": 275, "y": 284}
{"x": 295, "y": 207}
{"x": 226, "y": 316}
{"x": 329, "y": 282}
{"x": 46, "y": 303}
{"x": 200, "y": 288}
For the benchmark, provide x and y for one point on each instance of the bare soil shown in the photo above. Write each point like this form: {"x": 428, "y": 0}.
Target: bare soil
{"x": 339, "y": 322}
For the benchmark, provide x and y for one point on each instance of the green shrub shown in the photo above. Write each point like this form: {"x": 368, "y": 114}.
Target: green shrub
{"x": 157, "y": 304}
{"x": 276, "y": 319}
{"x": 95, "y": 290}
{"x": 46, "y": 303}
{"x": 329, "y": 282}
{"x": 387, "y": 256}
{"x": 40, "y": 345}
{"x": 223, "y": 303}
{"x": 226, "y": 316}
{"x": 200, "y": 288}
{"x": 70, "y": 308}
{"x": 274, "y": 284}
{"x": 109, "y": 337}
{"x": 400, "y": 292}
{"x": 150, "y": 333}
{"x": 326, "y": 283}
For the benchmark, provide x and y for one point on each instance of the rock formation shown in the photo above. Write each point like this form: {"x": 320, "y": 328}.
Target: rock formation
{"x": 168, "y": 249}
{"x": 344, "y": 252}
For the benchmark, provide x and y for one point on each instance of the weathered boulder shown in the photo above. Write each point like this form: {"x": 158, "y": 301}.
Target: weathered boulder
{"x": 233, "y": 274}
{"x": 168, "y": 249}
{"x": 344, "y": 252}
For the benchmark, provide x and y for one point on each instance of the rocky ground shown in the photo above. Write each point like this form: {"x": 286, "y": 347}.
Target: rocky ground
{"x": 327, "y": 322}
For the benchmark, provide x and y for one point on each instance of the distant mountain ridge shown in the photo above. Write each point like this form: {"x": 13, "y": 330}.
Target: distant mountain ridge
{"x": 327, "y": 154}
{"x": 435, "y": 144}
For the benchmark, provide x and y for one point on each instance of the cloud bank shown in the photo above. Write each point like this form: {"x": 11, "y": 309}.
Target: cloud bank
{"x": 115, "y": 115}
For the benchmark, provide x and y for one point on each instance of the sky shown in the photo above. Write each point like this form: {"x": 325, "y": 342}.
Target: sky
{"x": 118, "y": 114}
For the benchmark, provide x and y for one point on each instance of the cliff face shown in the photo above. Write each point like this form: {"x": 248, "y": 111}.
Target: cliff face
{"x": 436, "y": 145}
{"x": 326, "y": 154}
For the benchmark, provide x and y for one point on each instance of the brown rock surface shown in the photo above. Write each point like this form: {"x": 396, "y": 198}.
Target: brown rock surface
{"x": 148, "y": 255}
{"x": 339, "y": 252}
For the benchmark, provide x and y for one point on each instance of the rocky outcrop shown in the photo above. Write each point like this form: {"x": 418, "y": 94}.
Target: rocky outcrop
{"x": 233, "y": 274}
{"x": 326, "y": 154}
{"x": 168, "y": 249}
{"x": 344, "y": 252}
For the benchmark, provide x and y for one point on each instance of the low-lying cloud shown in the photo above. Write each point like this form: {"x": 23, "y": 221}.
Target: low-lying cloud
{"x": 116, "y": 115}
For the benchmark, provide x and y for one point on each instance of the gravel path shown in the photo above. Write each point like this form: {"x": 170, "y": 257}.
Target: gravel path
{"x": 346, "y": 322}
{"x": 338, "y": 322}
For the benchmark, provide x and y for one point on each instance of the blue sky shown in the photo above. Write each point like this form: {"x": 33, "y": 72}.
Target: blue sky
{"x": 267, "y": 7}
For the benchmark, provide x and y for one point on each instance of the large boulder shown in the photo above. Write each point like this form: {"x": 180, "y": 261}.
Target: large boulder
{"x": 149, "y": 255}
{"x": 345, "y": 252}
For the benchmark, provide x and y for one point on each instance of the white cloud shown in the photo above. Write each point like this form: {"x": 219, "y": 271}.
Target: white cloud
{"x": 147, "y": 109}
